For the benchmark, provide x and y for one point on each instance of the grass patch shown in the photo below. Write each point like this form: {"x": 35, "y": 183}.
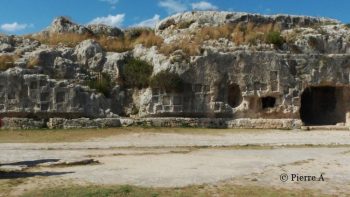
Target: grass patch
{"x": 6, "y": 186}
{"x": 202, "y": 190}
{"x": 77, "y": 135}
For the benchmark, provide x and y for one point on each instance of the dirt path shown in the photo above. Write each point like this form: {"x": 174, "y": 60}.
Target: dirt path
{"x": 174, "y": 160}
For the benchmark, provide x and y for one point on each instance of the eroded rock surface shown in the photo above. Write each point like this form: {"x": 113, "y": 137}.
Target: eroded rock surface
{"x": 308, "y": 71}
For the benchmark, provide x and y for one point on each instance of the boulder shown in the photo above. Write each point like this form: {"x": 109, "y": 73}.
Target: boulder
{"x": 65, "y": 25}
{"x": 105, "y": 30}
{"x": 114, "y": 63}
{"x": 89, "y": 53}
{"x": 64, "y": 68}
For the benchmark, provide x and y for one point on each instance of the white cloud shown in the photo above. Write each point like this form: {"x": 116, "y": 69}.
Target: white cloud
{"x": 173, "y": 6}
{"x": 203, "y": 5}
{"x": 152, "y": 22}
{"x": 113, "y": 3}
{"x": 110, "y": 20}
{"x": 13, "y": 27}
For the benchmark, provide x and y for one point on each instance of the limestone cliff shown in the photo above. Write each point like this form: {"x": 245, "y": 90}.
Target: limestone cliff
{"x": 235, "y": 65}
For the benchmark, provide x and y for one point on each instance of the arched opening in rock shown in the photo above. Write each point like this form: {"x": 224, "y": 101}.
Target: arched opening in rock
{"x": 268, "y": 102}
{"x": 234, "y": 98}
{"x": 322, "y": 106}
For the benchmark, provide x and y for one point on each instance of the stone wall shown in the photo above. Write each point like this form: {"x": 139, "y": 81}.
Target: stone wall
{"x": 37, "y": 96}
{"x": 219, "y": 123}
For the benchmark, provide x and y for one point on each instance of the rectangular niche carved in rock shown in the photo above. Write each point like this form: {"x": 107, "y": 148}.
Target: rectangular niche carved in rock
{"x": 60, "y": 97}
{"x": 45, "y": 96}
{"x": 177, "y": 100}
{"x": 33, "y": 85}
{"x": 43, "y": 82}
{"x": 274, "y": 81}
{"x": 166, "y": 100}
{"x": 44, "y": 107}
{"x": 155, "y": 99}
{"x": 11, "y": 95}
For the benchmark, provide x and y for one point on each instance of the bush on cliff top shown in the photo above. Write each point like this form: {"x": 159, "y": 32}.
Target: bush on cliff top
{"x": 167, "y": 81}
{"x": 137, "y": 73}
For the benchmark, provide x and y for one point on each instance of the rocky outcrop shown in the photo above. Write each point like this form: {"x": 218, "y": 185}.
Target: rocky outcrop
{"x": 192, "y": 21}
{"x": 65, "y": 25}
{"x": 242, "y": 84}
{"x": 90, "y": 54}
{"x": 104, "y": 30}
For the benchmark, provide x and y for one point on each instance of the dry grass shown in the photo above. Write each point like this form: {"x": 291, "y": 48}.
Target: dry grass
{"x": 68, "y": 39}
{"x": 7, "y": 61}
{"x": 189, "y": 47}
{"x": 242, "y": 33}
{"x": 113, "y": 44}
{"x": 149, "y": 39}
{"x": 196, "y": 190}
{"x": 33, "y": 62}
{"x": 77, "y": 135}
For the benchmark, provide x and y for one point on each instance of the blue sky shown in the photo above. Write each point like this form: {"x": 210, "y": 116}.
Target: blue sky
{"x": 26, "y": 16}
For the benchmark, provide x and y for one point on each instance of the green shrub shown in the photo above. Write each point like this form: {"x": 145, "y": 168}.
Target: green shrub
{"x": 275, "y": 38}
{"x": 347, "y": 25}
{"x": 168, "y": 81}
{"x": 102, "y": 84}
{"x": 137, "y": 73}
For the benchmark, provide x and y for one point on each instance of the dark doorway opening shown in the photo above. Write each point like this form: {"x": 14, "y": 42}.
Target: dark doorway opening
{"x": 234, "y": 95}
{"x": 268, "y": 102}
{"x": 322, "y": 106}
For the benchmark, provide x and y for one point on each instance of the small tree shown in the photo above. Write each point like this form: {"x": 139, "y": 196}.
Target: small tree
{"x": 167, "y": 81}
{"x": 137, "y": 73}
{"x": 275, "y": 38}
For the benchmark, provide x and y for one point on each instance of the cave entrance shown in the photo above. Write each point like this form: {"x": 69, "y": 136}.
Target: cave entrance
{"x": 234, "y": 95}
{"x": 322, "y": 106}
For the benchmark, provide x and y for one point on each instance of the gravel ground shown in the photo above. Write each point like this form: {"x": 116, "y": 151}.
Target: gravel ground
{"x": 175, "y": 160}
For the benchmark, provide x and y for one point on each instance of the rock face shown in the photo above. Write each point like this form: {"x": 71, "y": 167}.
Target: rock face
{"x": 104, "y": 30}
{"x": 64, "y": 25}
{"x": 33, "y": 95}
{"x": 90, "y": 54}
{"x": 305, "y": 79}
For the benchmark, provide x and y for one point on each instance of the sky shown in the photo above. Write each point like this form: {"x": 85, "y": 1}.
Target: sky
{"x": 28, "y": 16}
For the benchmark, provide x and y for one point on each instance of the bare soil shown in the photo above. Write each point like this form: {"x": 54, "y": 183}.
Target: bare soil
{"x": 178, "y": 158}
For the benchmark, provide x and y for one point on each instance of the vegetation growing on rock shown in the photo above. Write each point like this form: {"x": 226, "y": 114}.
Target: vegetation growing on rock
{"x": 167, "y": 81}
{"x": 132, "y": 37}
{"x": 275, "y": 38}
{"x": 137, "y": 73}
{"x": 102, "y": 83}
{"x": 6, "y": 62}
